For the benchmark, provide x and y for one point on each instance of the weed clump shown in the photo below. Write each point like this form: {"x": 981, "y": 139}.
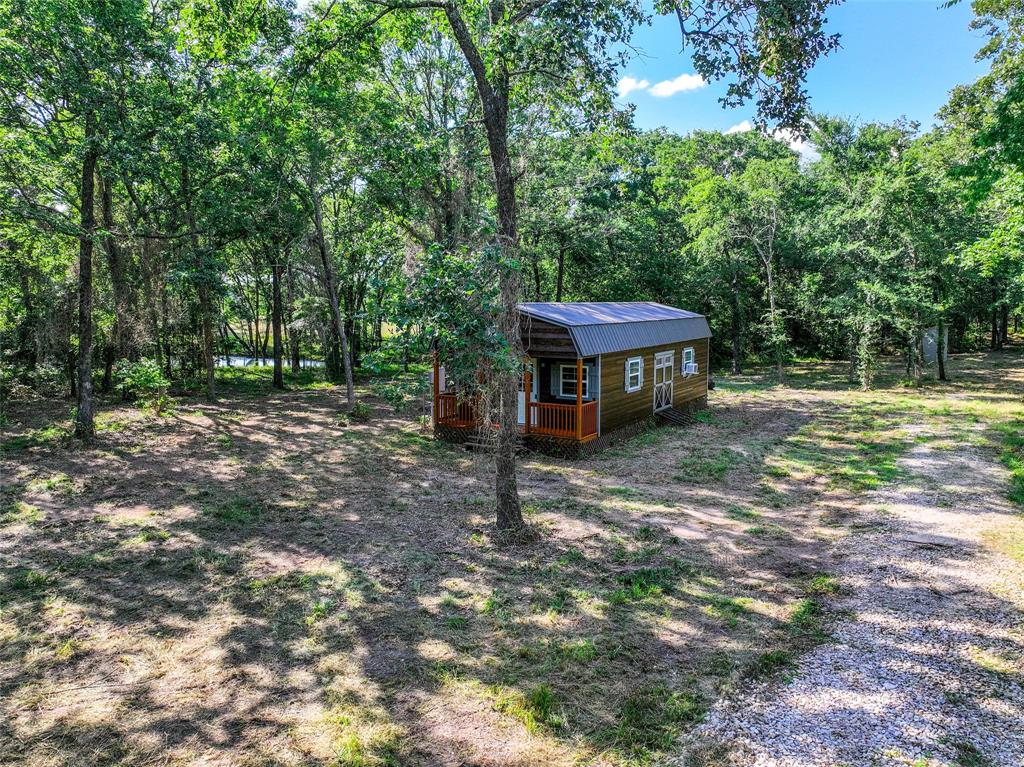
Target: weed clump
{"x": 237, "y": 510}
{"x": 534, "y": 708}
{"x": 651, "y": 719}
{"x": 1012, "y": 457}
{"x": 706, "y": 468}
{"x": 642, "y": 584}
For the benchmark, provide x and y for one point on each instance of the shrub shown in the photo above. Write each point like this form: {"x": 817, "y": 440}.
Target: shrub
{"x": 535, "y": 708}
{"x": 145, "y": 381}
{"x": 402, "y": 393}
{"x": 360, "y": 412}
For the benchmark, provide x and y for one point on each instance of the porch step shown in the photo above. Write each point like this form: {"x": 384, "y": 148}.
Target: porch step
{"x": 478, "y": 442}
{"x": 485, "y": 443}
{"x": 674, "y": 417}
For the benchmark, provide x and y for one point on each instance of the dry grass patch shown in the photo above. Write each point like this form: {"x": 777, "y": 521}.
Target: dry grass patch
{"x": 262, "y": 584}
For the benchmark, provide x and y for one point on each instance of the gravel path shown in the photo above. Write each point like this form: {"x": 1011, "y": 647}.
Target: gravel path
{"x": 928, "y": 670}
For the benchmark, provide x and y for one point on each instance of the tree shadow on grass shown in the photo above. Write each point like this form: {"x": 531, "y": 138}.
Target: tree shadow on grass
{"x": 301, "y": 595}
{"x": 207, "y": 615}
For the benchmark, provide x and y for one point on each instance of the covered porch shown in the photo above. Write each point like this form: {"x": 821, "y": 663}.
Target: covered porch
{"x": 557, "y": 398}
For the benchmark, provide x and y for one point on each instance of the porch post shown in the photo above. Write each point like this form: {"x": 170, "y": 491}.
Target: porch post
{"x": 579, "y": 398}
{"x": 527, "y": 390}
{"x": 437, "y": 389}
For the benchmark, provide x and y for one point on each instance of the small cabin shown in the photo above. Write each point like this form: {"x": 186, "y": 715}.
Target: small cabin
{"x": 591, "y": 371}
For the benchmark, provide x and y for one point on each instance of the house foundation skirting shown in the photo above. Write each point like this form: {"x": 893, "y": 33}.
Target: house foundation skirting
{"x": 558, "y": 447}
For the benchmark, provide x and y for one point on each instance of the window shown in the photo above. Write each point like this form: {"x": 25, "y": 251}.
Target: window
{"x": 689, "y": 366}
{"x": 567, "y": 381}
{"x": 634, "y": 373}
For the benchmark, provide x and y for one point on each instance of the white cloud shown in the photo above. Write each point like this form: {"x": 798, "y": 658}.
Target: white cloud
{"x": 803, "y": 147}
{"x": 742, "y": 127}
{"x": 628, "y": 84}
{"x": 685, "y": 82}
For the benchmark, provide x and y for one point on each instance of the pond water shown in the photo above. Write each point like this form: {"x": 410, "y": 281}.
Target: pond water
{"x": 237, "y": 360}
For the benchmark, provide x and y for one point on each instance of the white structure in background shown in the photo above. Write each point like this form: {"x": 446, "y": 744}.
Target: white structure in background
{"x": 931, "y": 347}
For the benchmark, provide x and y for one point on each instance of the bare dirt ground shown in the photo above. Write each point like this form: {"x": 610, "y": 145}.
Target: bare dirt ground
{"x": 250, "y": 582}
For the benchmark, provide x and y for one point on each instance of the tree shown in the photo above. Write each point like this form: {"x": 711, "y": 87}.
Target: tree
{"x": 701, "y": 178}
{"x": 63, "y": 67}
{"x": 987, "y": 114}
{"x": 563, "y": 53}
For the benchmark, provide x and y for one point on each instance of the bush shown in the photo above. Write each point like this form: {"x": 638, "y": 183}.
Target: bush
{"x": 145, "y": 381}
{"x": 361, "y": 412}
{"x": 401, "y": 393}
{"x": 17, "y": 382}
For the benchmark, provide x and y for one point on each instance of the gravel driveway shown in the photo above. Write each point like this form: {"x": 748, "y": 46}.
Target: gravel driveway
{"x": 928, "y": 669}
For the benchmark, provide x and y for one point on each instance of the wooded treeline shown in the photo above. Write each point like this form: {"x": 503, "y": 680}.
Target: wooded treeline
{"x": 183, "y": 180}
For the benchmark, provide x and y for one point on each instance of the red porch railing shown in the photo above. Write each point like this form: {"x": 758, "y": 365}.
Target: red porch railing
{"x": 558, "y": 420}
{"x": 453, "y": 412}
{"x": 550, "y": 418}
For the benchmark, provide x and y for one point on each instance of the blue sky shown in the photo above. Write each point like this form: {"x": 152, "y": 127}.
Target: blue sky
{"x": 898, "y": 58}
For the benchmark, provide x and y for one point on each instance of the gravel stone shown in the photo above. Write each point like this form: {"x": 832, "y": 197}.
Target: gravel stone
{"x": 928, "y": 667}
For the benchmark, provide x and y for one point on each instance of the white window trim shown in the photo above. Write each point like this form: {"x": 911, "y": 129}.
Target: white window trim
{"x": 693, "y": 359}
{"x": 639, "y": 374}
{"x": 561, "y": 382}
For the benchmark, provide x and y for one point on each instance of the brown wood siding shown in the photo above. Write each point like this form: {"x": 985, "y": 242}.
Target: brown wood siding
{"x": 619, "y": 407}
{"x": 544, "y": 339}
{"x": 686, "y": 388}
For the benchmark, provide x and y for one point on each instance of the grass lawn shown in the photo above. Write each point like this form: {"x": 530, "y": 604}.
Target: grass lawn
{"x": 256, "y": 582}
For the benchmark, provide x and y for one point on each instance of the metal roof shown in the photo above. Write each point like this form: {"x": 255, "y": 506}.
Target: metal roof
{"x": 609, "y": 327}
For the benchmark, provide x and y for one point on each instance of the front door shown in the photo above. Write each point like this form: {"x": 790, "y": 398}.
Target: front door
{"x": 664, "y": 365}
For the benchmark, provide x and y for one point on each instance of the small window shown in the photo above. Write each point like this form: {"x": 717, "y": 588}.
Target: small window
{"x": 567, "y": 381}
{"x": 689, "y": 366}
{"x": 634, "y": 373}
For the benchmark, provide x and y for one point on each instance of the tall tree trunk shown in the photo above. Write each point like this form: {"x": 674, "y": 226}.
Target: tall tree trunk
{"x": 331, "y": 288}
{"x": 536, "y": 279}
{"x": 995, "y": 337}
{"x": 150, "y": 290}
{"x": 940, "y": 347}
{"x": 736, "y": 319}
{"x": 494, "y": 101}
{"x": 203, "y": 283}
{"x": 866, "y": 345}
{"x": 774, "y": 319}
{"x": 916, "y": 351}
{"x": 293, "y": 334}
{"x": 851, "y": 344}
{"x": 118, "y": 278}
{"x": 275, "y": 278}
{"x": 28, "y": 335}
{"x": 85, "y": 426}
{"x": 1005, "y": 326}
{"x": 206, "y": 312}
{"x": 164, "y": 312}
{"x": 560, "y": 283}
